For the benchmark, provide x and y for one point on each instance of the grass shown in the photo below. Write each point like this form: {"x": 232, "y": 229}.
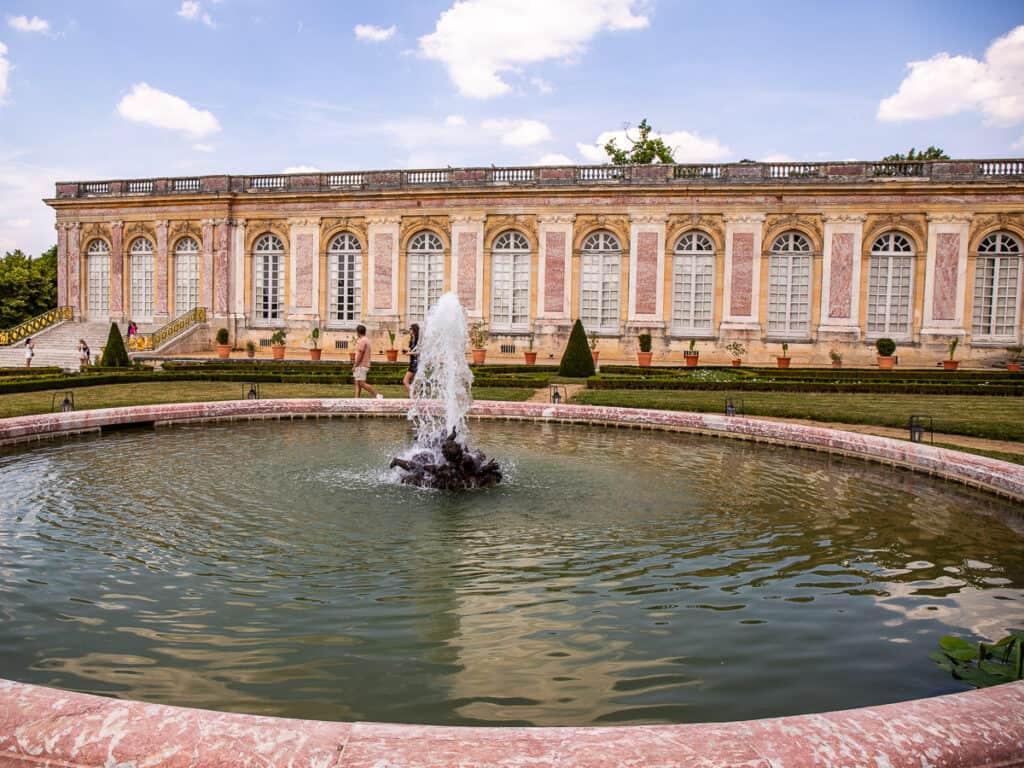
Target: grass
{"x": 996, "y": 418}
{"x": 114, "y": 395}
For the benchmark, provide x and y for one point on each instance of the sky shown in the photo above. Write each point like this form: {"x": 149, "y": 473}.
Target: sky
{"x": 143, "y": 88}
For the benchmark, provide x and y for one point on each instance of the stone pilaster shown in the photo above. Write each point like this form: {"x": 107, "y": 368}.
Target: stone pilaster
{"x": 467, "y": 276}
{"x": 741, "y": 293}
{"x": 554, "y": 267}
{"x": 237, "y": 258}
{"x": 62, "y": 264}
{"x": 221, "y": 284}
{"x": 74, "y": 268}
{"x": 381, "y": 283}
{"x": 117, "y": 270}
{"x": 206, "y": 266}
{"x": 840, "y": 274}
{"x": 160, "y": 270}
{"x": 945, "y": 275}
{"x": 647, "y": 269}
{"x": 303, "y": 277}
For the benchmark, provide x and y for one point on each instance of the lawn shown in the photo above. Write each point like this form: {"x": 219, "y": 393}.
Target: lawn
{"x": 997, "y": 418}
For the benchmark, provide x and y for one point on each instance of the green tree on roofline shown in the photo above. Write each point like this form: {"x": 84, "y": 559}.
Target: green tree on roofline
{"x": 932, "y": 153}
{"x": 644, "y": 150}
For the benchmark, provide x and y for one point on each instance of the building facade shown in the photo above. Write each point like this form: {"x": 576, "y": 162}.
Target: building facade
{"x": 820, "y": 256}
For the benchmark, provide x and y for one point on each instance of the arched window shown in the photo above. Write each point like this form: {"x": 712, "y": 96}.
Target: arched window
{"x": 141, "y": 253}
{"x": 345, "y": 279}
{"x": 98, "y": 271}
{"x": 186, "y": 275}
{"x": 890, "y": 280}
{"x": 693, "y": 291}
{"x": 789, "y": 286}
{"x": 600, "y": 280}
{"x": 425, "y": 267}
{"x": 510, "y": 280}
{"x": 268, "y": 278}
{"x": 997, "y": 288}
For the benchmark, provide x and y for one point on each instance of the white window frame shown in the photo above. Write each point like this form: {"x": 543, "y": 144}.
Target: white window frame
{"x": 141, "y": 278}
{"x": 601, "y": 283}
{"x": 693, "y": 285}
{"x": 999, "y": 258}
{"x": 268, "y": 280}
{"x": 890, "y": 284}
{"x": 424, "y": 264}
{"x": 790, "y": 267}
{"x": 510, "y": 283}
{"x": 186, "y": 275}
{"x": 344, "y": 281}
{"x": 98, "y": 276}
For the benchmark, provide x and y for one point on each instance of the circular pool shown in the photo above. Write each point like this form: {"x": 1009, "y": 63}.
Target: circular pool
{"x": 616, "y": 577}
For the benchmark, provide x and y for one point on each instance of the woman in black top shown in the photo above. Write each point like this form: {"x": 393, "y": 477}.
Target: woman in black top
{"x": 414, "y": 355}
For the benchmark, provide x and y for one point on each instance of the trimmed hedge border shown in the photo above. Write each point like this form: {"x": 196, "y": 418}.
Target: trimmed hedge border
{"x": 834, "y": 374}
{"x": 852, "y": 387}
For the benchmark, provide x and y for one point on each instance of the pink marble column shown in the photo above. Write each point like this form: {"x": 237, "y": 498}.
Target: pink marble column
{"x": 116, "y": 270}
{"x": 62, "y": 264}
{"x": 554, "y": 272}
{"x": 840, "y": 276}
{"x": 74, "y": 268}
{"x": 947, "y": 255}
{"x": 466, "y": 279}
{"x": 303, "y": 249}
{"x": 384, "y": 247}
{"x": 220, "y": 268}
{"x": 646, "y": 273}
{"x": 741, "y": 280}
{"x": 206, "y": 289}
{"x": 160, "y": 271}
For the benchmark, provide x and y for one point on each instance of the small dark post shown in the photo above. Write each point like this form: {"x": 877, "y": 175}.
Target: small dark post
{"x": 67, "y": 403}
{"x": 556, "y": 395}
{"x": 730, "y": 407}
{"x": 917, "y": 428}
{"x": 251, "y": 391}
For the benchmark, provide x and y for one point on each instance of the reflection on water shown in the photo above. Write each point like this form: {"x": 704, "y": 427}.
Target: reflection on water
{"x": 617, "y": 577}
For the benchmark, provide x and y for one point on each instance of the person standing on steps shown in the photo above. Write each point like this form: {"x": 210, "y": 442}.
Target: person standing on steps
{"x": 30, "y": 351}
{"x": 361, "y": 365}
{"x": 83, "y": 354}
{"x": 414, "y": 356}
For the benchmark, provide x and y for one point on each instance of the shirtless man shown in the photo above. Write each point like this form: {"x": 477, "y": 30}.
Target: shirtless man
{"x": 361, "y": 366}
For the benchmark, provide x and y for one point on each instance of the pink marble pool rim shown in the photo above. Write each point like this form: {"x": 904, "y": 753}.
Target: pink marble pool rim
{"x": 42, "y": 726}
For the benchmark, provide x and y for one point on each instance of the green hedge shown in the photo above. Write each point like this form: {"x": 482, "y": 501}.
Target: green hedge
{"x": 888, "y": 387}
{"x": 45, "y": 371}
{"x": 814, "y": 374}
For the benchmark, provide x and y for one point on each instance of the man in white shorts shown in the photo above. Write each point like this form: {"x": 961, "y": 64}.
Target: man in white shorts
{"x": 361, "y": 366}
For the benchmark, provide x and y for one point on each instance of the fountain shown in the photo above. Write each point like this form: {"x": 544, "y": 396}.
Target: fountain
{"x": 442, "y": 396}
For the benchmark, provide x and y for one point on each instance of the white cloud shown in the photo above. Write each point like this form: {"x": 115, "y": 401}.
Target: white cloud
{"x": 301, "y": 169}
{"x": 777, "y": 157}
{"x": 374, "y": 34}
{"x": 154, "y": 107}
{"x": 5, "y": 71}
{"x": 25, "y": 24}
{"x": 22, "y": 223}
{"x": 477, "y": 40}
{"x": 191, "y": 10}
{"x": 518, "y": 133}
{"x": 455, "y": 121}
{"x": 541, "y": 85}
{"x": 554, "y": 158}
{"x": 686, "y": 147}
{"x": 203, "y": 147}
{"x": 1018, "y": 144}
{"x": 946, "y": 85}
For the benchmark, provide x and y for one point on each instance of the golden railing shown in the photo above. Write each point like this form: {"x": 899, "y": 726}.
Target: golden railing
{"x": 35, "y": 325}
{"x": 147, "y": 342}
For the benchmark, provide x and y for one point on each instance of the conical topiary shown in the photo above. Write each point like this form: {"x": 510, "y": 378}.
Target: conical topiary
{"x": 577, "y": 360}
{"x": 114, "y": 354}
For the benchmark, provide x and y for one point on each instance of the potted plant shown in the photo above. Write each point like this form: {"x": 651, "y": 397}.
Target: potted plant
{"x": 783, "y": 361}
{"x": 391, "y": 351}
{"x": 277, "y": 343}
{"x": 885, "y": 349}
{"x": 643, "y": 357}
{"x": 223, "y": 347}
{"x": 594, "y": 351}
{"x": 1013, "y": 355}
{"x": 529, "y": 354}
{"x": 837, "y": 359}
{"x": 314, "y": 341}
{"x": 737, "y": 351}
{"x": 951, "y": 364}
{"x": 250, "y": 348}
{"x": 691, "y": 355}
{"x": 352, "y": 347}
{"x": 478, "y": 335}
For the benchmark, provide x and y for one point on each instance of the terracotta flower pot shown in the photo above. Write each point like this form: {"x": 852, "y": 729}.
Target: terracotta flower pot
{"x": 351, "y": 357}
{"x": 837, "y": 363}
{"x": 950, "y": 365}
{"x": 250, "y": 353}
{"x": 643, "y": 359}
{"x": 223, "y": 351}
{"x": 314, "y": 354}
{"x": 392, "y": 355}
{"x": 782, "y": 362}
{"x": 691, "y": 360}
{"x": 1013, "y": 367}
{"x": 596, "y": 355}
{"x": 736, "y": 363}
{"x": 531, "y": 358}
{"x": 886, "y": 362}
{"x": 479, "y": 356}
{"x": 278, "y": 351}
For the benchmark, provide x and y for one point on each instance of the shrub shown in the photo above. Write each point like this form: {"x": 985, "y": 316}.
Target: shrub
{"x": 645, "y": 342}
{"x": 577, "y": 360}
{"x": 885, "y": 347}
{"x": 222, "y": 335}
{"x": 114, "y": 354}
{"x": 277, "y": 337}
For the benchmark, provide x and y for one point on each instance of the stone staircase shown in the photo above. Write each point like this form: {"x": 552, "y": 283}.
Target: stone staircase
{"x": 58, "y": 345}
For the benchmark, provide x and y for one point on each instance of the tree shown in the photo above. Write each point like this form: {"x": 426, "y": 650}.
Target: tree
{"x": 644, "y": 151}
{"x": 577, "y": 360}
{"x": 28, "y": 287}
{"x": 932, "y": 153}
{"x": 114, "y": 354}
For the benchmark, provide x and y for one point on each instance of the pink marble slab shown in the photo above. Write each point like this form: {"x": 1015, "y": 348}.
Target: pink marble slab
{"x": 742, "y": 278}
{"x": 554, "y": 272}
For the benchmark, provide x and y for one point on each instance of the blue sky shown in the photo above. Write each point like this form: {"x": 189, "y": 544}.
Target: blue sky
{"x": 123, "y": 88}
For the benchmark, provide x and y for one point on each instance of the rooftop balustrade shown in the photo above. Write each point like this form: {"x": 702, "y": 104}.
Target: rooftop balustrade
{"x": 743, "y": 173}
